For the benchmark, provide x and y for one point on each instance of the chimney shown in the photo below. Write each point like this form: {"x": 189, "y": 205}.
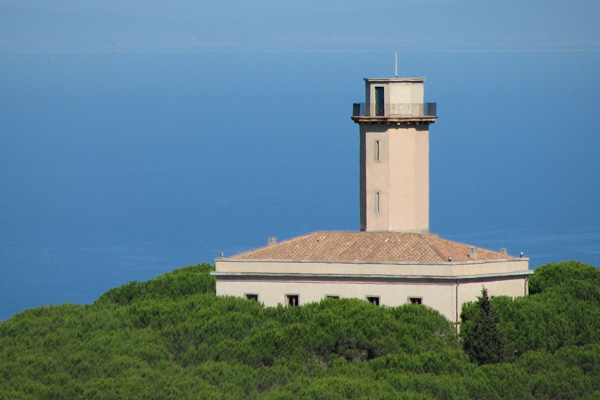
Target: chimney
{"x": 272, "y": 240}
{"x": 503, "y": 251}
{"x": 473, "y": 253}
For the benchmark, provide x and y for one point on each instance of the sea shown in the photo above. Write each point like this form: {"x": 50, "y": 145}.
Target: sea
{"x": 120, "y": 166}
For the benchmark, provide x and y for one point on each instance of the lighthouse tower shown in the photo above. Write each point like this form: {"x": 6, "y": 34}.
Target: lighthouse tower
{"x": 394, "y": 155}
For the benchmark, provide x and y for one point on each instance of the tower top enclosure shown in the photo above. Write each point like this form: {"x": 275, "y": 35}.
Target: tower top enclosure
{"x": 394, "y": 98}
{"x": 394, "y": 155}
{"x": 399, "y": 91}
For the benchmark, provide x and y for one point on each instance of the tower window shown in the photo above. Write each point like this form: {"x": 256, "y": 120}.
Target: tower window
{"x": 377, "y": 202}
{"x": 373, "y": 300}
{"x": 292, "y": 300}
{"x": 377, "y": 151}
{"x": 379, "y": 101}
{"x": 415, "y": 300}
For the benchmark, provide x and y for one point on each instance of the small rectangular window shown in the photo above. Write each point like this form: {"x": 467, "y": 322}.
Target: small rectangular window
{"x": 292, "y": 300}
{"x": 252, "y": 296}
{"x": 415, "y": 300}
{"x": 330, "y": 296}
{"x": 377, "y": 202}
{"x": 373, "y": 300}
{"x": 377, "y": 151}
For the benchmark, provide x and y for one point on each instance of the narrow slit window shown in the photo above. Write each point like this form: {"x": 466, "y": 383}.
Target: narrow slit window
{"x": 292, "y": 300}
{"x": 377, "y": 151}
{"x": 373, "y": 300}
{"x": 377, "y": 202}
{"x": 251, "y": 296}
{"x": 415, "y": 300}
{"x": 331, "y": 296}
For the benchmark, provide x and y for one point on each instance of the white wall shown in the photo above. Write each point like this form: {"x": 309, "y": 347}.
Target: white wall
{"x": 440, "y": 296}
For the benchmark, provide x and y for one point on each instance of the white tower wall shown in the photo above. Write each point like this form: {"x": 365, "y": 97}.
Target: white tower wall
{"x": 394, "y": 156}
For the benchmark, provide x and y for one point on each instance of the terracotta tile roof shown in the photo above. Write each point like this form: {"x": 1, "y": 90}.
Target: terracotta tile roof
{"x": 368, "y": 247}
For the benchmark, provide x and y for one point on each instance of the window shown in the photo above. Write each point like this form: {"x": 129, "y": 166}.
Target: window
{"x": 415, "y": 300}
{"x": 379, "y": 101}
{"x": 331, "y": 296}
{"x": 252, "y": 296}
{"x": 377, "y": 151}
{"x": 292, "y": 300}
{"x": 373, "y": 300}
{"x": 377, "y": 202}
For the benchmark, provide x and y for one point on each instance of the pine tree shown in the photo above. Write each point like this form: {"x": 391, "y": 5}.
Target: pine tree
{"x": 484, "y": 343}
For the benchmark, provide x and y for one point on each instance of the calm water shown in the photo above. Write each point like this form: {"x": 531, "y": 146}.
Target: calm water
{"x": 115, "y": 167}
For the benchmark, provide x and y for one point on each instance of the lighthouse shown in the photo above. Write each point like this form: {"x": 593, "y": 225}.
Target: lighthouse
{"x": 393, "y": 259}
{"x": 394, "y": 155}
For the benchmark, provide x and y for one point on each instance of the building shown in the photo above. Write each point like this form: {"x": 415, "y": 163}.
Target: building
{"x": 394, "y": 259}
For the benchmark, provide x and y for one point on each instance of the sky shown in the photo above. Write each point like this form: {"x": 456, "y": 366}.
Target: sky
{"x": 270, "y": 25}
{"x": 138, "y": 137}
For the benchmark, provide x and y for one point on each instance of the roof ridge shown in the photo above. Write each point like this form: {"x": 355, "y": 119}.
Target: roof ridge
{"x": 425, "y": 238}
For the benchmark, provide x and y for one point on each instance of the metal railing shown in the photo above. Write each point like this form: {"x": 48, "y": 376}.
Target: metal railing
{"x": 400, "y": 110}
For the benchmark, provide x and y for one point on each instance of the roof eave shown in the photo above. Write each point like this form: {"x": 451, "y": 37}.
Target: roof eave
{"x": 469, "y": 262}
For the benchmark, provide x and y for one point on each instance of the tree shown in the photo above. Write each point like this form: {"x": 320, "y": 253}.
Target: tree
{"x": 483, "y": 342}
{"x": 552, "y": 275}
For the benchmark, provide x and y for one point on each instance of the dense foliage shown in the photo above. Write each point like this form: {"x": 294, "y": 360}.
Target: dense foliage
{"x": 172, "y": 338}
{"x": 553, "y": 275}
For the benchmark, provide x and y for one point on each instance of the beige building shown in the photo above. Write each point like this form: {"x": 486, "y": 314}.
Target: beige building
{"x": 394, "y": 259}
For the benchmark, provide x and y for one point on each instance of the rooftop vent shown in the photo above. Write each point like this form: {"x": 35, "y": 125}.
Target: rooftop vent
{"x": 503, "y": 251}
{"x": 272, "y": 240}
{"x": 473, "y": 253}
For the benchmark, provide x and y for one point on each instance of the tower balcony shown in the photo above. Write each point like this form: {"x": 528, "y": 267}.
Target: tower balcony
{"x": 365, "y": 112}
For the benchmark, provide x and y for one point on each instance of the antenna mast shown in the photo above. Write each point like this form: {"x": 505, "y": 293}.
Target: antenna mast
{"x": 396, "y": 64}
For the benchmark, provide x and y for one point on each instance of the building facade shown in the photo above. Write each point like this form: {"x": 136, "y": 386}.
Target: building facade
{"x": 393, "y": 259}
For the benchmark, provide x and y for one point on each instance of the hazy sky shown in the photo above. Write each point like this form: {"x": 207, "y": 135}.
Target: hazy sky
{"x": 273, "y": 25}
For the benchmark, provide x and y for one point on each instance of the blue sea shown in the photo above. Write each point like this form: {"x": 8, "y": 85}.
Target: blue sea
{"x": 123, "y": 166}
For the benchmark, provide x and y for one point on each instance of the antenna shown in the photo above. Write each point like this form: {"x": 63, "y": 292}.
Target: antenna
{"x": 396, "y": 64}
